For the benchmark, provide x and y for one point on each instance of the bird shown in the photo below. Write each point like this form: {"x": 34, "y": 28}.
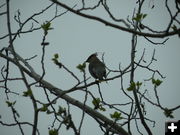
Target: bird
{"x": 96, "y": 67}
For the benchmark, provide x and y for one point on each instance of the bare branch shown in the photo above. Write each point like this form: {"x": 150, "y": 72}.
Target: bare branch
{"x": 162, "y": 35}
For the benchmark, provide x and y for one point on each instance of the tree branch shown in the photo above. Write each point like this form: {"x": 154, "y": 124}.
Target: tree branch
{"x": 166, "y": 34}
{"x": 58, "y": 92}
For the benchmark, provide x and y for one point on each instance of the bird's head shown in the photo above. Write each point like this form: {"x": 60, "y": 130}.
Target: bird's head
{"x": 92, "y": 57}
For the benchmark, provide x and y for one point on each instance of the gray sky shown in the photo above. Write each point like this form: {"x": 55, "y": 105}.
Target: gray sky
{"x": 75, "y": 38}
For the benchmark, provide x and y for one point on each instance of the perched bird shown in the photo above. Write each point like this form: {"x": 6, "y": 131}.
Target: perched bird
{"x": 96, "y": 67}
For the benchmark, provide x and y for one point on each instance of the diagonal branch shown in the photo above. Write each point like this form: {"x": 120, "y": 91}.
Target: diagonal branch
{"x": 58, "y": 92}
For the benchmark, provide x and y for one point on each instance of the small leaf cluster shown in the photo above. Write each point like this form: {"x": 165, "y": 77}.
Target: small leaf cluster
{"x": 174, "y": 27}
{"x": 97, "y": 104}
{"x": 66, "y": 117}
{"x": 10, "y": 104}
{"x": 55, "y": 60}
{"x": 116, "y": 116}
{"x": 27, "y": 93}
{"x": 156, "y": 82}
{"x": 62, "y": 111}
{"x": 134, "y": 86}
{"x": 168, "y": 113}
{"x": 44, "y": 108}
{"x": 81, "y": 67}
{"x": 139, "y": 17}
{"x": 46, "y": 27}
{"x": 53, "y": 132}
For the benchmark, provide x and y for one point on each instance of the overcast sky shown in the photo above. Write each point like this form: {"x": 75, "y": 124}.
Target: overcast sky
{"x": 75, "y": 38}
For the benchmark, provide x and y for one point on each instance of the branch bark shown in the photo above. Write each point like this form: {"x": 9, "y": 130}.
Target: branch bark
{"x": 58, "y": 92}
{"x": 164, "y": 34}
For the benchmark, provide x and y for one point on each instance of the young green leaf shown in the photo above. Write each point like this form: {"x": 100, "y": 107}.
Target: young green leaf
{"x": 102, "y": 108}
{"x": 46, "y": 27}
{"x": 61, "y": 110}
{"x": 116, "y": 115}
{"x": 96, "y": 103}
{"x": 81, "y": 67}
{"x": 27, "y": 93}
{"x": 168, "y": 113}
{"x": 156, "y": 82}
{"x": 139, "y": 83}
{"x": 55, "y": 60}
{"x": 139, "y": 17}
{"x": 144, "y": 15}
{"x": 56, "y": 55}
{"x": 53, "y": 132}
{"x": 10, "y": 103}
{"x": 132, "y": 86}
{"x": 174, "y": 27}
{"x": 44, "y": 108}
